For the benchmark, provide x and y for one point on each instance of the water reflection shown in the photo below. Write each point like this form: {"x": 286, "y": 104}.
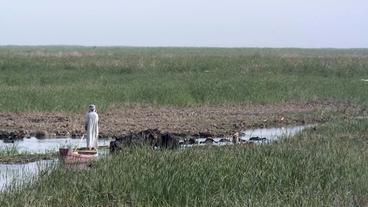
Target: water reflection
{"x": 34, "y": 145}
{"x": 264, "y": 135}
{"x": 15, "y": 175}
{"x": 271, "y": 134}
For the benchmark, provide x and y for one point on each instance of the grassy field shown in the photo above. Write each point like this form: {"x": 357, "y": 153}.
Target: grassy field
{"x": 69, "y": 78}
{"x": 322, "y": 167}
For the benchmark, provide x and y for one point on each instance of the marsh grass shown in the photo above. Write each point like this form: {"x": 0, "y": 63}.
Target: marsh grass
{"x": 9, "y": 150}
{"x": 11, "y": 155}
{"x": 69, "y": 78}
{"x": 321, "y": 167}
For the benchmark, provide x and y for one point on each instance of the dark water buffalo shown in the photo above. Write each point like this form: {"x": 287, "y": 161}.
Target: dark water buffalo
{"x": 149, "y": 137}
{"x": 223, "y": 140}
{"x": 12, "y": 136}
{"x": 167, "y": 141}
{"x": 257, "y": 139}
{"x": 208, "y": 141}
{"x": 191, "y": 141}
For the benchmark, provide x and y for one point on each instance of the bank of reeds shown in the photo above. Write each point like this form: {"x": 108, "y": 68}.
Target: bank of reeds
{"x": 11, "y": 155}
{"x": 325, "y": 166}
{"x": 69, "y": 78}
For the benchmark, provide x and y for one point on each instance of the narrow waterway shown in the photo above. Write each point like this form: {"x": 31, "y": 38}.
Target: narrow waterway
{"x": 18, "y": 174}
{"x": 261, "y": 135}
{"x": 34, "y": 145}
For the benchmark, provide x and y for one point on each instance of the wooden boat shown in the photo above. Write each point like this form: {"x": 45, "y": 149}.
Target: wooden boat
{"x": 78, "y": 156}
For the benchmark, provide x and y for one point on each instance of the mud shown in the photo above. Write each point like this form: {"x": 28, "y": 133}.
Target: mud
{"x": 195, "y": 121}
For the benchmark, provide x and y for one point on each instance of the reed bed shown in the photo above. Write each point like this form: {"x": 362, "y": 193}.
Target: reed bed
{"x": 11, "y": 155}
{"x": 325, "y": 166}
{"x": 69, "y": 78}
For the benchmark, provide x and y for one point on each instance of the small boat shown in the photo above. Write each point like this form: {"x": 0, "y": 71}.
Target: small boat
{"x": 78, "y": 156}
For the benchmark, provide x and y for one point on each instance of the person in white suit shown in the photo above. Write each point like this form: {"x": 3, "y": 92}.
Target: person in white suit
{"x": 91, "y": 127}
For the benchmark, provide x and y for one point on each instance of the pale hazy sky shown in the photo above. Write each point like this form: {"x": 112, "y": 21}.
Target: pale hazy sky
{"x": 213, "y": 23}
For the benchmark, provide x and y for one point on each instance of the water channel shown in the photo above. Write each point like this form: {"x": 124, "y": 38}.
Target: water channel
{"x": 17, "y": 174}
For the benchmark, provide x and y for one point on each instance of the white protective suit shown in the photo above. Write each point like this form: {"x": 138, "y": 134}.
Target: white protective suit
{"x": 91, "y": 125}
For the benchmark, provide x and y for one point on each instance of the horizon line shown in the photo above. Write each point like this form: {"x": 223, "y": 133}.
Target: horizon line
{"x": 194, "y": 47}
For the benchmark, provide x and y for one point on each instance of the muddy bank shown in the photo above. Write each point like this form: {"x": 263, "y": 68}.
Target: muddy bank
{"x": 213, "y": 120}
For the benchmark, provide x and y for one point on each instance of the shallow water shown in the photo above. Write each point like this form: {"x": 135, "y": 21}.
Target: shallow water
{"x": 34, "y": 145}
{"x": 270, "y": 134}
{"x": 18, "y": 174}
{"x": 21, "y": 173}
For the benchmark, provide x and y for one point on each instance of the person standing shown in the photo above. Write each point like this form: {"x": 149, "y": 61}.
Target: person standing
{"x": 236, "y": 138}
{"x": 91, "y": 127}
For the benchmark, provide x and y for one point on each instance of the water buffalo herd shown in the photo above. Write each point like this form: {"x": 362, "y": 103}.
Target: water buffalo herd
{"x": 150, "y": 137}
{"x": 158, "y": 140}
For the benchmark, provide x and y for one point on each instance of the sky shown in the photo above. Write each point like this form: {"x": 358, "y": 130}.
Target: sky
{"x": 189, "y": 23}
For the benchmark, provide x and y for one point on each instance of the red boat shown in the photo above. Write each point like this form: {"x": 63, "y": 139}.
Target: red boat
{"x": 78, "y": 156}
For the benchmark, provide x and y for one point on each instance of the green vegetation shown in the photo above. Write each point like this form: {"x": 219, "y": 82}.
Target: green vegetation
{"x": 322, "y": 167}
{"x": 10, "y": 155}
{"x": 9, "y": 151}
{"x": 326, "y": 166}
{"x": 25, "y": 158}
{"x": 69, "y": 78}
